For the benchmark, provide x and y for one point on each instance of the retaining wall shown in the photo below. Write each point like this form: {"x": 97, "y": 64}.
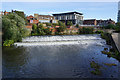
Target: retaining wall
{"x": 116, "y": 39}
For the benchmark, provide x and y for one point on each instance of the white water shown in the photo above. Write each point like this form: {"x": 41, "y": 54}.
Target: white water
{"x": 61, "y": 40}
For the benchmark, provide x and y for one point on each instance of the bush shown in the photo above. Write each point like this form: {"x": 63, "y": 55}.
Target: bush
{"x": 110, "y": 26}
{"x": 8, "y": 43}
{"x": 99, "y": 32}
{"x": 86, "y": 30}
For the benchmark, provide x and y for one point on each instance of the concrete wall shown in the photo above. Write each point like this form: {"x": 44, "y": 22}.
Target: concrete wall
{"x": 116, "y": 38}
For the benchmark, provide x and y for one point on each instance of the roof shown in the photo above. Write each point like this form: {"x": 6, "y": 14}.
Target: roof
{"x": 44, "y": 15}
{"x": 68, "y": 13}
{"x": 90, "y": 20}
{"x": 28, "y": 26}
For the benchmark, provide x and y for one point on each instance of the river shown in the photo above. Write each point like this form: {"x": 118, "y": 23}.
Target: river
{"x": 57, "y": 57}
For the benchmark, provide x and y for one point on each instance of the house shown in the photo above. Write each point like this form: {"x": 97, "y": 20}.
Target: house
{"x": 32, "y": 20}
{"x": 45, "y": 18}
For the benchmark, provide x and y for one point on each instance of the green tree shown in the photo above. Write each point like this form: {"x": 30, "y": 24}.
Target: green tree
{"x": 69, "y": 23}
{"x": 13, "y": 27}
{"x": 86, "y": 30}
{"x": 117, "y": 28}
{"x": 48, "y": 31}
{"x": 34, "y": 29}
{"x": 77, "y": 26}
{"x": 110, "y": 26}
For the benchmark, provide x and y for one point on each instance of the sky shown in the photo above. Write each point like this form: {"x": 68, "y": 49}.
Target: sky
{"x": 90, "y": 10}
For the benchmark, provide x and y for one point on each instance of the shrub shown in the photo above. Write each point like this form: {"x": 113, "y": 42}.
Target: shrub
{"x": 85, "y": 30}
{"x": 99, "y": 32}
{"x": 8, "y": 43}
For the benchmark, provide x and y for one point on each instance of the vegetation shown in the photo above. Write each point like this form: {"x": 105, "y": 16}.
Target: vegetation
{"x": 96, "y": 68}
{"x": 8, "y": 43}
{"x": 22, "y": 15}
{"x": 69, "y": 23}
{"x": 112, "y": 52}
{"x": 117, "y": 28}
{"x": 110, "y": 64}
{"x": 99, "y": 31}
{"x": 112, "y": 26}
{"x": 85, "y": 30}
{"x": 77, "y": 26}
{"x": 40, "y": 30}
{"x": 13, "y": 28}
{"x": 61, "y": 29}
{"x": 106, "y": 37}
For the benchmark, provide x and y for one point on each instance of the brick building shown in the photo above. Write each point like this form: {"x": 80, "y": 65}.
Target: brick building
{"x": 95, "y": 22}
{"x": 45, "y": 18}
{"x": 32, "y": 20}
{"x": 90, "y": 22}
{"x": 105, "y": 22}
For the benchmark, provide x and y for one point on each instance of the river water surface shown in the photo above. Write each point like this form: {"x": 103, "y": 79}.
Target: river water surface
{"x": 57, "y": 57}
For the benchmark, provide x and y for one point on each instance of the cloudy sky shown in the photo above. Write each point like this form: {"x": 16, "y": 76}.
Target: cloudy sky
{"x": 90, "y": 10}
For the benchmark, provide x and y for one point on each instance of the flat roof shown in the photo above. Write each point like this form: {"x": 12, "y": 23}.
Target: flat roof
{"x": 89, "y": 19}
{"x": 68, "y": 13}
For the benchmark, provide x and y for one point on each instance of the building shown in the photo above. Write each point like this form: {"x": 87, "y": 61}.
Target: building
{"x": 94, "y": 22}
{"x": 105, "y": 22}
{"x": 45, "y": 18}
{"x": 90, "y": 22}
{"x": 32, "y": 20}
{"x": 74, "y": 17}
{"x": 4, "y": 13}
{"x": 118, "y": 17}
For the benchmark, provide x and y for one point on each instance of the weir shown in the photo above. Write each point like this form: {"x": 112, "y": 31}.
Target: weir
{"x": 61, "y": 40}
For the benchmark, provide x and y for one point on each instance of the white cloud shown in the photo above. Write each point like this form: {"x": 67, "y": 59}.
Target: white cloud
{"x": 60, "y": 0}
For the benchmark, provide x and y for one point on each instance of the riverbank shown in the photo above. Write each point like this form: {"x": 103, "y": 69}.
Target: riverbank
{"x": 110, "y": 40}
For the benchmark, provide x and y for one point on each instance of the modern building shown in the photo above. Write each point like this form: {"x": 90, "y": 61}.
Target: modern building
{"x": 118, "y": 17}
{"x": 90, "y": 22}
{"x": 45, "y": 18}
{"x": 74, "y": 17}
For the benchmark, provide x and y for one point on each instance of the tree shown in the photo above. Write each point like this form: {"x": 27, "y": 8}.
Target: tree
{"x": 13, "y": 27}
{"x": 85, "y": 30}
{"x": 77, "y": 26}
{"x": 69, "y": 23}
{"x": 117, "y": 27}
{"x": 34, "y": 28}
{"x": 61, "y": 23}
{"x": 110, "y": 26}
{"x": 48, "y": 24}
{"x": 48, "y": 31}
